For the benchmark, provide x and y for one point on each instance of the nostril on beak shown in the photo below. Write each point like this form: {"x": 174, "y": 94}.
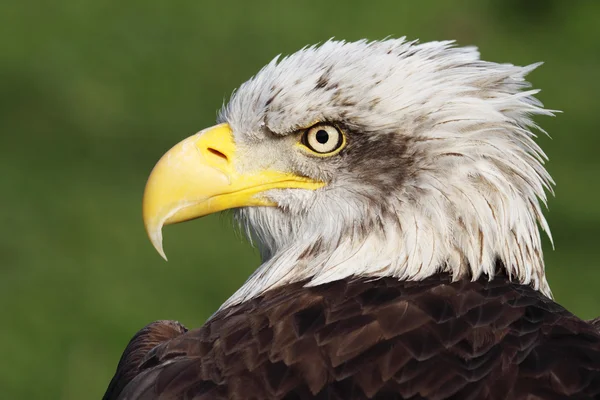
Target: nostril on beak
{"x": 217, "y": 153}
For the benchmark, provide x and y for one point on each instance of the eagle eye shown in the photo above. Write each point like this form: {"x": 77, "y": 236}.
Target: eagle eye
{"x": 323, "y": 139}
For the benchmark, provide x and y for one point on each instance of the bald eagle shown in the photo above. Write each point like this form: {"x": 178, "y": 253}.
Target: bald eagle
{"x": 394, "y": 191}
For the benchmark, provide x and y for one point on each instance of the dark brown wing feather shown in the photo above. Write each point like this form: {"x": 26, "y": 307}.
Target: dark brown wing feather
{"x": 145, "y": 340}
{"x": 379, "y": 339}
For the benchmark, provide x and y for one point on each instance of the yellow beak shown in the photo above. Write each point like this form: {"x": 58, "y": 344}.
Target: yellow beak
{"x": 198, "y": 177}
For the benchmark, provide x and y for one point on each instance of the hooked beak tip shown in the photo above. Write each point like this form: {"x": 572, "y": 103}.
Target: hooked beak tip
{"x": 155, "y": 235}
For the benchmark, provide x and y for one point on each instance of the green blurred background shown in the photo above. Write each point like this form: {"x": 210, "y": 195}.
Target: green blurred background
{"x": 92, "y": 92}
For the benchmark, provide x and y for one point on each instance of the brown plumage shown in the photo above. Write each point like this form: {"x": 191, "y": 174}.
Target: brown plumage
{"x": 371, "y": 339}
{"x": 146, "y": 339}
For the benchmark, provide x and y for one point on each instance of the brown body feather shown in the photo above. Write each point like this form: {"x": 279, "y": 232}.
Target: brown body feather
{"x": 371, "y": 339}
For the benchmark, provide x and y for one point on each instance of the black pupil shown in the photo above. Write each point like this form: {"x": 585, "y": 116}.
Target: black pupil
{"x": 322, "y": 136}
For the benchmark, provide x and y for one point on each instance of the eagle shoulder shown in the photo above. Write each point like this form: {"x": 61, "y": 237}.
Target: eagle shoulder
{"x": 380, "y": 339}
{"x": 134, "y": 358}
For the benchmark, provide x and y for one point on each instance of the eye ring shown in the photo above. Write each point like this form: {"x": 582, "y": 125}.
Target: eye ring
{"x": 323, "y": 139}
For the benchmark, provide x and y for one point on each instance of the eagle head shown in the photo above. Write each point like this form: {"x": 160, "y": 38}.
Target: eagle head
{"x": 385, "y": 158}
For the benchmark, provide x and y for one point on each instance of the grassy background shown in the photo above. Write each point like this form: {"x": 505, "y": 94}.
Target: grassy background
{"x": 92, "y": 92}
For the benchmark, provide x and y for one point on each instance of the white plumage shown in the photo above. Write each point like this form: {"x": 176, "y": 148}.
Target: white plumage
{"x": 470, "y": 197}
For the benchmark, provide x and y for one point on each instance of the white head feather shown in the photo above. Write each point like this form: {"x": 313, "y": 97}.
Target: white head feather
{"x": 462, "y": 196}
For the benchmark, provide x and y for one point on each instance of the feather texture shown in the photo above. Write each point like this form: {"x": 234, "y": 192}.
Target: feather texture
{"x": 377, "y": 339}
{"x": 441, "y": 172}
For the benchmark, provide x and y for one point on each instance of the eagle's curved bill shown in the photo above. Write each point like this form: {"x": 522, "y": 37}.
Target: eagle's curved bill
{"x": 198, "y": 177}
